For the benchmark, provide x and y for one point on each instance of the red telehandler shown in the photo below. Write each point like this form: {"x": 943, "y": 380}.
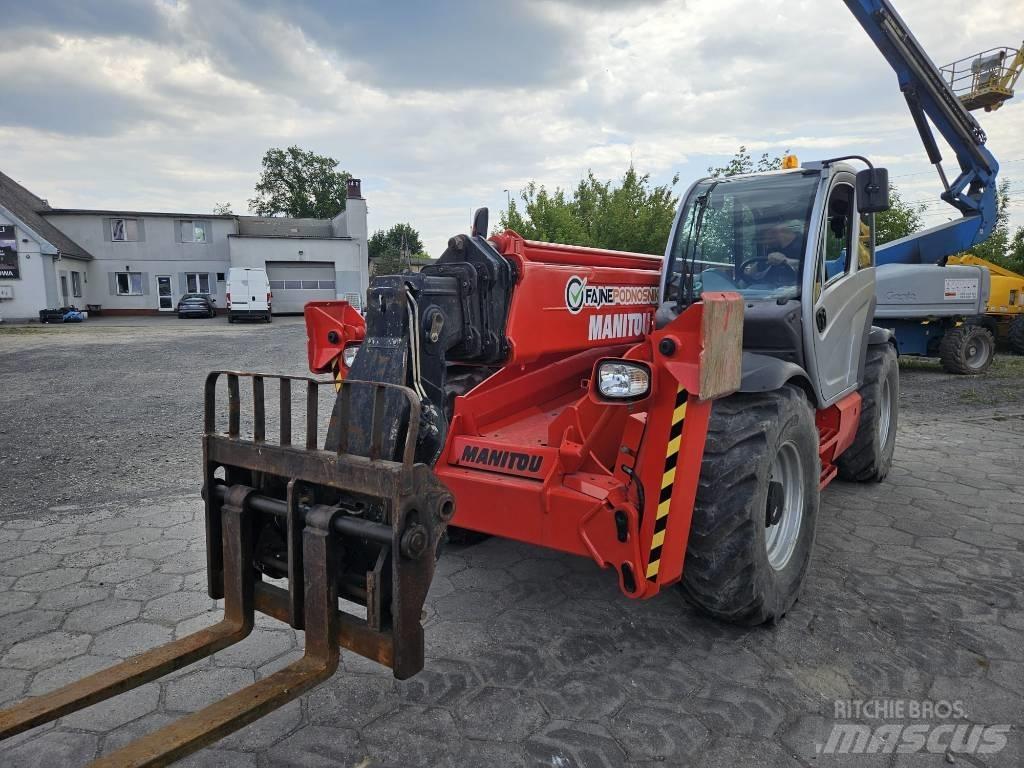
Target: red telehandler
{"x": 612, "y": 405}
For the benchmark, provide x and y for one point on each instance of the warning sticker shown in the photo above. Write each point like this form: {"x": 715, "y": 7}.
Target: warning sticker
{"x": 961, "y": 288}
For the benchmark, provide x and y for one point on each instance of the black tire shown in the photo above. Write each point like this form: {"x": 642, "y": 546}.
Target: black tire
{"x": 231, "y": 319}
{"x": 1016, "y": 335}
{"x": 869, "y": 459}
{"x": 728, "y": 573}
{"x": 181, "y": 316}
{"x": 967, "y": 350}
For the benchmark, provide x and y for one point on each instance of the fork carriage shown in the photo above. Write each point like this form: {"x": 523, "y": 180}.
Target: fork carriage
{"x": 363, "y": 527}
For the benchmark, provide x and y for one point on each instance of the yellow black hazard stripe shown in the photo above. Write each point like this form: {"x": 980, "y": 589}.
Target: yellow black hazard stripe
{"x": 668, "y": 479}
{"x": 336, "y": 366}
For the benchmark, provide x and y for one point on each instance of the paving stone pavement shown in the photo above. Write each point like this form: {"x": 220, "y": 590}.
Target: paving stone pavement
{"x": 535, "y": 658}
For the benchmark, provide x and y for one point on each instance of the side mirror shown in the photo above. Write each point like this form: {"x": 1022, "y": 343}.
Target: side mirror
{"x": 873, "y": 190}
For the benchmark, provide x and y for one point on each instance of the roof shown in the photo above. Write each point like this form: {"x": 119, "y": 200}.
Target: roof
{"x": 98, "y": 212}
{"x": 26, "y": 207}
{"x": 285, "y": 226}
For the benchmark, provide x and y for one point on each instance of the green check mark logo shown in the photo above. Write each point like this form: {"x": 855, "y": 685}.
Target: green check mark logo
{"x": 574, "y": 292}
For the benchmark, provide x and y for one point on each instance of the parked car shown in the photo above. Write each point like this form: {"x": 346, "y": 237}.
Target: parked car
{"x": 201, "y": 304}
{"x": 248, "y": 294}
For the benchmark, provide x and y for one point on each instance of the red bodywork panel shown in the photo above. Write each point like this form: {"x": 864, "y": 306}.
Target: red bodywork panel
{"x": 330, "y": 327}
{"x": 534, "y": 454}
{"x": 837, "y": 428}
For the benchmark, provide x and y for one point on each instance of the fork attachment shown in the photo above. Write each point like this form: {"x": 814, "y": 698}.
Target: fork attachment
{"x": 329, "y": 524}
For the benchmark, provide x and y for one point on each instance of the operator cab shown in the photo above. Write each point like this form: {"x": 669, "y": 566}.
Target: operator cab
{"x": 795, "y": 246}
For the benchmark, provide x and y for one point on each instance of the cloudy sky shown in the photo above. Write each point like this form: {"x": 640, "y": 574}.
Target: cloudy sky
{"x": 441, "y": 106}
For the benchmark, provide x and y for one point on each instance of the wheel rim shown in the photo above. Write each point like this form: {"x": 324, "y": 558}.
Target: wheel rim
{"x": 885, "y": 413}
{"x": 976, "y": 353}
{"x": 780, "y": 539}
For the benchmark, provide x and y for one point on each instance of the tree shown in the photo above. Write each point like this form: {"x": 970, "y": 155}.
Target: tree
{"x": 1015, "y": 258}
{"x": 396, "y": 238}
{"x": 298, "y": 183}
{"x": 742, "y": 162}
{"x": 629, "y": 216}
{"x": 222, "y": 209}
{"x": 997, "y": 247}
{"x": 900, "y": 220}
{"x": 389, "y": 251}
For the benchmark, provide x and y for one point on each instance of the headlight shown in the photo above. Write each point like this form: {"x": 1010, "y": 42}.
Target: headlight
{"x": 622, "y": 380}
{"x": 348, "y": 355}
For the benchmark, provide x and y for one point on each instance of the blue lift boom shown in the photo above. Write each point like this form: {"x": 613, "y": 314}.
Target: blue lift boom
{"x": 927, "y": 304}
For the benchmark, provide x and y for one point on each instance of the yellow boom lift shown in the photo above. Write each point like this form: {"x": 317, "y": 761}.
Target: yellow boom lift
{"x": 1004, "y": 314}
{"x": 985, "y": 80}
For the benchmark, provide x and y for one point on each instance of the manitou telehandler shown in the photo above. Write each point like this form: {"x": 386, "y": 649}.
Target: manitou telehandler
{"x": 672, "y": 419}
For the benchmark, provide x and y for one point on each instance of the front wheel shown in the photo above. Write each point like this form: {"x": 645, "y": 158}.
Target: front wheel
{"x": 967, "y": 350}
{"x": 869, "y": 458}
{"x": 756, "y": 508}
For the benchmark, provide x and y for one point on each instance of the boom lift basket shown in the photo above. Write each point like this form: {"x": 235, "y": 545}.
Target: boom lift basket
{"x": 332, "y": 524}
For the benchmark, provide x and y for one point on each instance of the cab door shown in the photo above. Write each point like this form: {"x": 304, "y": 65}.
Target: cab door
{"x": 842, "y": 291}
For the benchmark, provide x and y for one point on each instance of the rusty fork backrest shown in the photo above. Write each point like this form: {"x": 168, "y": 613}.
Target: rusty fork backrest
{"x": 341, "y": 410}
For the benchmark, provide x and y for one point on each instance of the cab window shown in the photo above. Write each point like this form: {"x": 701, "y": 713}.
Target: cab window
{"x": 837, "y": 238}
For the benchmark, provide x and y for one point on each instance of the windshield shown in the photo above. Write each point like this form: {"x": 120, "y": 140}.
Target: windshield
{"x": 744, "y": 234}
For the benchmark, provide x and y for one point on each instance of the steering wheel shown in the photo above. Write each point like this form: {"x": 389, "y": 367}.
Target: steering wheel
{"x": 743, "y": 270}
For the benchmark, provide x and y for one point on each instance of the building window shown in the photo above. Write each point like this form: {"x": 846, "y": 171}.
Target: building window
{"x": 197, "y": 282}
{"x": 304, "y": 285}
{"x": 1013, "y": 297}
{"x": 194, "y": 232}
{"x": 76, "y": 284}
{"x": 129, "y": 283}
{"x": 124, "y": 230}
{"x": 220, "y": 277}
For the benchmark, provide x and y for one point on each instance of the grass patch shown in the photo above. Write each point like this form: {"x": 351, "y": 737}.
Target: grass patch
{"x": 19, "y": 330}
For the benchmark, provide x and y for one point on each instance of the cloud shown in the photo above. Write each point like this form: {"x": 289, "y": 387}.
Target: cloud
{"x": 439, "y": 107}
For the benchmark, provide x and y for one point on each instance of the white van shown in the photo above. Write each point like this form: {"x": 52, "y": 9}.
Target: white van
{"x": 248, "y": 294}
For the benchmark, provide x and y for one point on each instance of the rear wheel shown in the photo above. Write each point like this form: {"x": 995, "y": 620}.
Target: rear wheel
{"x": 1016, "y": 335}
{"x": 870, "y": 457}
{"x": 756, "y": 508}
{"x": 967, "y": 349}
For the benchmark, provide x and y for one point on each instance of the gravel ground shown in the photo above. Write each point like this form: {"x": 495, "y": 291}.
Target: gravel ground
{"x": 112, "y": 408}
{"x": 533, "y": 658}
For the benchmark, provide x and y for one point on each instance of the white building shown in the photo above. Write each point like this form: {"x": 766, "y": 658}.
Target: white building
{"x": 141, "y": 262}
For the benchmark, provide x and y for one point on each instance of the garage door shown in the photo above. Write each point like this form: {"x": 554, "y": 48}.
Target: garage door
{"x": 293, "y": 283}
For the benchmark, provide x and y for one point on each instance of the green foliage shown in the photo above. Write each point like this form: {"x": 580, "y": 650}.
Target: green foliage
{"x": 628, "y": 216}
{"x": 1015, "y": 256}
{"x": 396, "y": 238}
{"x": 742, "y": 162}
{"x": 301, "y": 184}
{"x": 900, "y": 220}
{"x": 390, "y": 262}
{"x": 222, "y": 209}
{"x": 389, "y": 250}
{"x": 998, "y": 248}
